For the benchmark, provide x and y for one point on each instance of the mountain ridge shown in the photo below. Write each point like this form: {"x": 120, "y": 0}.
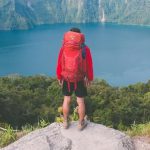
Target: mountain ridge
{"x": 25, "y": 14}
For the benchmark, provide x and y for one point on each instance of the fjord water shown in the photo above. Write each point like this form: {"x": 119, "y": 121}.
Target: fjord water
{"x": 121, "y": 54}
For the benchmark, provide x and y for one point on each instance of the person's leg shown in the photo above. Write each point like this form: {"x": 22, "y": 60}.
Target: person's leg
{"x": 66, "y": 106}
{"x": 81, "y": 111}
{"x": 81, "y": 108}
{"x": 81, "y": 92}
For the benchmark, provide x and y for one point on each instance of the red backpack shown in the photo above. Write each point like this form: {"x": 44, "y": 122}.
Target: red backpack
{"x": 73, "y": 63}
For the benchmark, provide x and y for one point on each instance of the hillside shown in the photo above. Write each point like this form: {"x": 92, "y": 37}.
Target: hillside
{"x": 25, "y": 14}
{"x": 26, "y": 101}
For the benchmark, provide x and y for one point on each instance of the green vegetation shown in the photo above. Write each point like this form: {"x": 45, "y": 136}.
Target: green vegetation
{"x": 139, "y": 130}
{"x": 26, "y": 100}
{"x": 127, "y": 12}
{"x": 29, "y": 103}
{"x": 9, "y": 135}
{"x": 72, "y": 117}
{"x": 22, "y": 14}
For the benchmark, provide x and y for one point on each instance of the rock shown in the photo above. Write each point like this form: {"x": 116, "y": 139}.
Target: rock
{"x": 142, "y": 142}
{"x": 54, "y": 137}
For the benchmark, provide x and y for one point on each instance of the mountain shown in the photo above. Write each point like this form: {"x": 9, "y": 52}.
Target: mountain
{"x": 24, "y": 14}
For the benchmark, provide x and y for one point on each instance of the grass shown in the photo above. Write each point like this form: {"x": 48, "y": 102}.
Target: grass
{"x": 139, "y": 130}
{"x": 9, "y": 136}
{"x": 1, "y": 133}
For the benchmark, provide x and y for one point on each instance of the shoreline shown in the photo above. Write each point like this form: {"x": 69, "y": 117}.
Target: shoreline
{"x": 77, "y": 23}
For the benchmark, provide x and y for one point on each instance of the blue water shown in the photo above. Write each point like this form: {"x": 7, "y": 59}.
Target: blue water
{"x": 120, "y": 53}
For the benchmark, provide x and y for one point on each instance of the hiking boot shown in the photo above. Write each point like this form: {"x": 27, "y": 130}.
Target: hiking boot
{"x": 66, "y": 124}
{"x": 82, "y": 125}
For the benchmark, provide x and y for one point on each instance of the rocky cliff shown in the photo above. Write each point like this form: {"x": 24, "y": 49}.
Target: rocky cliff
{"x": 24, "y": 14}
{"x": 93, "y": 137}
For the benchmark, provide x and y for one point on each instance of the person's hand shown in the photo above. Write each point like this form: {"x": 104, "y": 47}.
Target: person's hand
{"x": 60, "y": 82}
{"x": 87, "y": 82}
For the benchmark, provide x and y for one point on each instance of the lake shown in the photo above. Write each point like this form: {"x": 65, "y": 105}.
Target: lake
{"x": 120, "y": 53}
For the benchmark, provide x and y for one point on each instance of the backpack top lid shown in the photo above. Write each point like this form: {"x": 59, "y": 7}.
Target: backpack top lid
{"x": 73, "y": 40}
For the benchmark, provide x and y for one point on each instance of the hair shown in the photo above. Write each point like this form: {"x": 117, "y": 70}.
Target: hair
{"x": 75, "y": 30}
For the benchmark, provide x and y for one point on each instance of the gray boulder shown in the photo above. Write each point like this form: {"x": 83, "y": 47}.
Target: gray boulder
{"x": 54, "y": 137}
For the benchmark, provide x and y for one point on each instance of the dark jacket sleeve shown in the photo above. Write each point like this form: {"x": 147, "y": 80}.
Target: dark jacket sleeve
{"x": 58, "y": 68}
{"x": 89, "y": 64}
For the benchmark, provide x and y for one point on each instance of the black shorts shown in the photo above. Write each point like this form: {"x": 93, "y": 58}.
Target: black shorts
{"x": 80, "y": 90}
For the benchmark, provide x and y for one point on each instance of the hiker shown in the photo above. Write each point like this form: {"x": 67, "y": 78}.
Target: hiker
{"x": 74, "y": 73}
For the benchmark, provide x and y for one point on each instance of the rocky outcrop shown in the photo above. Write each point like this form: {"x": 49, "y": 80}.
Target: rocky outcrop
{"x": 141, "y": 142}
{"x": 54, "y": 137}
{"x": 24, "y": 14}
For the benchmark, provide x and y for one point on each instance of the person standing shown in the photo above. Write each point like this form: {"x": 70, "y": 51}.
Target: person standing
{"x": 74, "y": 73}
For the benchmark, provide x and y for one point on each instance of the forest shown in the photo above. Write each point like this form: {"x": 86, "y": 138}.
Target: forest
{"x": 26, "y": 100}
{"x": 26, "y": 14}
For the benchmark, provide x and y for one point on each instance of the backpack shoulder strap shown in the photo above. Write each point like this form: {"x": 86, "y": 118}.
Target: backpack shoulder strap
{"x": 83, "y": 50}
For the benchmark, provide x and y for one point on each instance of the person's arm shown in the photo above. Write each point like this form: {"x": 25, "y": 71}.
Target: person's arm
{"x": 89, "y": 65}
{"x": 58, "y": 68}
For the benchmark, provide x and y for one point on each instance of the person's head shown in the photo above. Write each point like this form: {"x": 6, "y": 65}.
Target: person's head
{"x": 75, "y": 30}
